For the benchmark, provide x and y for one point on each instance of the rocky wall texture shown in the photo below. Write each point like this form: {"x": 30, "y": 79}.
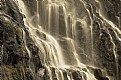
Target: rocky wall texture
{"x": 20, "y": 57}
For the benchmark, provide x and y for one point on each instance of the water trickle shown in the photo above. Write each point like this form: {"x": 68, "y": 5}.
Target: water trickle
{"x": 63, "y": 38}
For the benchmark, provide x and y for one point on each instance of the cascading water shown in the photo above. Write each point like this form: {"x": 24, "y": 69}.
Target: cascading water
{"x": 63, "y": 31}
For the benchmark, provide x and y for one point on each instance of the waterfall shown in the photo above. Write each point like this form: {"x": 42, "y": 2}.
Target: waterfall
{"x": 63, "y": 30}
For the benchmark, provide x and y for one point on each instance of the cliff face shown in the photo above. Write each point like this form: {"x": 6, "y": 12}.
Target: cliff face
{"x": 21, "y": 58}
{"x": 15, "y": 61}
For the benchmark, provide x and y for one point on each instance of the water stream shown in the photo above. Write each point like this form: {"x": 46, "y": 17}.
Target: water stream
{"x": 63, "y": 30}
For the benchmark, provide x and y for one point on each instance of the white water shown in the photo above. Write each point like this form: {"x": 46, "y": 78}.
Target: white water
{"x": 56, "y": 37}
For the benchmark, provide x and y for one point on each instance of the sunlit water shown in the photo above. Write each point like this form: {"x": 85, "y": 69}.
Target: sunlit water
{"x": 56, "y": 28}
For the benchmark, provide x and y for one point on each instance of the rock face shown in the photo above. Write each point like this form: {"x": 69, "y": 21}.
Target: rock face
{"x": 22, "y": 59}
{"x": 14, "y": 57}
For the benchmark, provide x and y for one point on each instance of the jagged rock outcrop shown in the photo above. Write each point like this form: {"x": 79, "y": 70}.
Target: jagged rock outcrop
{"x": 15, "y": 61}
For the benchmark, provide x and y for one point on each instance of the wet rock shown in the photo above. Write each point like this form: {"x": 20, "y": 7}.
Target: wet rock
{"x": 15, "y": 64}
{"x": 98, "y": 75}
{"x": 20, "y": 57}
{"x": 76, "y": 75}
